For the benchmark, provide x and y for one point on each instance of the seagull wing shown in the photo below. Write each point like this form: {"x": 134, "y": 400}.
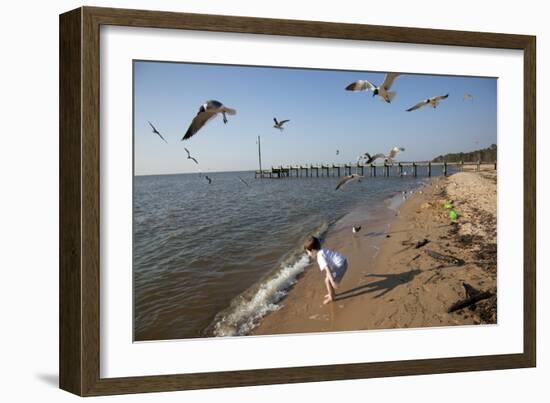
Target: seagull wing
{"x": 160, "y": 135}
{"x": 152, "y": 127}
{"x": 275, "y": 120}
{"x": 418, "y": 105}
{"x": 243, "y": 181}
{"x": 360, "y": 85}
{"x": 345, "y": 180}
{"x": 196, "y": 162}
{"x": 187, "y": 151}
{"x": 388, "y": 80}
{"x": 198, "y": 122}
{"x": 282, "y": 122}
{"x": 375, "y": 157}
{"x": 440, "y": 97}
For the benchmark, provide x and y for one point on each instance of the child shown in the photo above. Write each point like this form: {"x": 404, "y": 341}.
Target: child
{"x": 333, "y": 263}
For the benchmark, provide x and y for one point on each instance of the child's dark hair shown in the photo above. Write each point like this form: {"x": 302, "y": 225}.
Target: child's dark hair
{"x": 312, "y": 243}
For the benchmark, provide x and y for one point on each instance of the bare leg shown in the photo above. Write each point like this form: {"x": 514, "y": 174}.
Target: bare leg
{"x": 330, "y": 296}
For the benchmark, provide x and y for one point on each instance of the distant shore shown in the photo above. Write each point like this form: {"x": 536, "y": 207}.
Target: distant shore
{"x": 392, "y": 283}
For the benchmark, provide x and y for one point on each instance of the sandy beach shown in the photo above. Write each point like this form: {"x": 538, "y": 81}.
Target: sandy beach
{"x": 408, "y": 267}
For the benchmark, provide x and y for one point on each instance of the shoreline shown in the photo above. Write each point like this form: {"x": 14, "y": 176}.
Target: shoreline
{"x": 392, "y": 284}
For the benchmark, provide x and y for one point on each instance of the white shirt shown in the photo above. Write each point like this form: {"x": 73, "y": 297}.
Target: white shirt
{"x": 334, "y": 260}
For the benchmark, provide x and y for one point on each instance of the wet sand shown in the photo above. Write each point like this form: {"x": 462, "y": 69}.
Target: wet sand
{"x": 390, "y": 283}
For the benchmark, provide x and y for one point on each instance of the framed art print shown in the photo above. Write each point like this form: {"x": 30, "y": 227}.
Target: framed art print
{"x": 237, "y": 194}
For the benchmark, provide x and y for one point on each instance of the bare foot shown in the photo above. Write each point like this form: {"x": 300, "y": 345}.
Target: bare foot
{"x": 328, "y": 299}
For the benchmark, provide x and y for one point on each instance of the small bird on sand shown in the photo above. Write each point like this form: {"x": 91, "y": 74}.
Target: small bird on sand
{"x": 355, "y": 229}
{"x": 347, "y": 179}
{"x": 157, "y": 132}
{"x": 393, "y": 153}
{"x": 208, "y": 179}
{"x": 189, "y": 156}
{"x": 383, "y": 91}
{"x": 279, "y": 125}
{"x": 206, "y": 112}
{"x": 433, "y": 101}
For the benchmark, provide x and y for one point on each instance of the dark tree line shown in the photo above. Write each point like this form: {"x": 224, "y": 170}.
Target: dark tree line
{"x": 484, "y": 155}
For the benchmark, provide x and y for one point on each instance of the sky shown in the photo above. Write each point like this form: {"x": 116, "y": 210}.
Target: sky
{"x": 324, "y": 117}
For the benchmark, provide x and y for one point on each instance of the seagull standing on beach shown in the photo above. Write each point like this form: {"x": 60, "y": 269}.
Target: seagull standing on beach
{"x": 393, "y": 153}
{"x": 189, "y": 156}
{"x": 206, "y": 112}
{"x": 279, "y": 125}
{"x": 383, "y": 91}
{"x": 347, "y": 179}
{"x": 156, "y": 132}
{"x": 433, "y": 101}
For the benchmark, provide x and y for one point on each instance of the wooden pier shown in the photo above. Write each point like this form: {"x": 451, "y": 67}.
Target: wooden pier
{"x": 337, "y": 170}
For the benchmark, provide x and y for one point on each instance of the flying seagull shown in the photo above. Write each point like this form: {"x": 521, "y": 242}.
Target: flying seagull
{"x": 383, "y": 91}
{"x": 337, "y": 152}
{"x": 208, "y": 179}
{"x": 243, "y": 181}
{"x": 370, "y": 159}
{"x": 207, "y": 111}
{"x": 468, "y": 97}
{"x": 347, "y": 179}
{"x": 156, "y": 131}
{"x": 189, "y": 156}
{"x": 279, "y": 125}
{"x": 433, "y": 101}
{"x": 393, "y": 153}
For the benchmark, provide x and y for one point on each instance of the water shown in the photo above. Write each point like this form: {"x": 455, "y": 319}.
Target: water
{"x": 212, "y": 260}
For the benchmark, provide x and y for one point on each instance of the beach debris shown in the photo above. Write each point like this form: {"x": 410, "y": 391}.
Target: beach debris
{"x": 347, "y": 179}
{"x": 189, "y": 156}
{"x": 473, "y": 295}
{"x": 355, "y": 229}
{"x": 433, "y": 101}
{"x": 383, "y": 91}
{"x": 445, "y": 258}
{"x": 393, "y": 153}
{"x": 279, "y": 125}
{"x": 157, "y": 132}
{"x": 207, "y": 111}
{"x": 208, "y": 179}
{"x": 453, "y": 215}
{"x": 448, "y": 205}
{"x": 421, "y": 243}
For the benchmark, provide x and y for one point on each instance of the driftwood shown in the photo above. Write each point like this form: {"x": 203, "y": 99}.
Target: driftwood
{"x": 417, "y": 245}
{"x": 445, "y": 258}
{"x": 472, "y": 296}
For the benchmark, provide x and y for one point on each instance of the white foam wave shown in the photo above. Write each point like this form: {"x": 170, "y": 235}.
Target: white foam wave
{"x": 245, "y": 312}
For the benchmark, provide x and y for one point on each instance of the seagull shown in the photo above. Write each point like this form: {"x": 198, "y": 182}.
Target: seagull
{"x": 393, "y": 153}
{"x": 383, "y": 91}
{"x": 208, "y": 179}
{"x": 279, "y": 125}
{"x": 337, "y": 152}
{"x": 433, "y": 101}
{"x": 347, "y": 179}
{"x": 243, "y": 181}
{"x": 207, "y": 111}
{"x": 157, "y": 132}
{"x": 370, "y": 159}
{"x": 189, "y": 156}
{"x": 468, "y": 97}
{"x": 355, "y": 229}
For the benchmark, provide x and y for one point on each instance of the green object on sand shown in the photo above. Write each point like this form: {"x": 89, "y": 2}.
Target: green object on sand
{"x": 448, "y": 205}
{"x": 453, "y": 215}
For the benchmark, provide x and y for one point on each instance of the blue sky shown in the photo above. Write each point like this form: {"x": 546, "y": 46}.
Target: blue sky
{"x": 323, "y": 116}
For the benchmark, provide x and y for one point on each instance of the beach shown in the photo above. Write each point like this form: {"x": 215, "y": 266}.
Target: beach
{"x": 408, "y": 265}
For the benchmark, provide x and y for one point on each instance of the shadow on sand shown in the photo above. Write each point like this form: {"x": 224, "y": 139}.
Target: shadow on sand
{"x": 386, "y": 283}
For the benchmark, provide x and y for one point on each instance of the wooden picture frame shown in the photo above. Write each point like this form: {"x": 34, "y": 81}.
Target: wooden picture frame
{"x": 80, "y": 186}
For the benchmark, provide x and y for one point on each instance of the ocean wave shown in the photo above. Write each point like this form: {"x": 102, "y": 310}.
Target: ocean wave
{"x": 246, "y": 311}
